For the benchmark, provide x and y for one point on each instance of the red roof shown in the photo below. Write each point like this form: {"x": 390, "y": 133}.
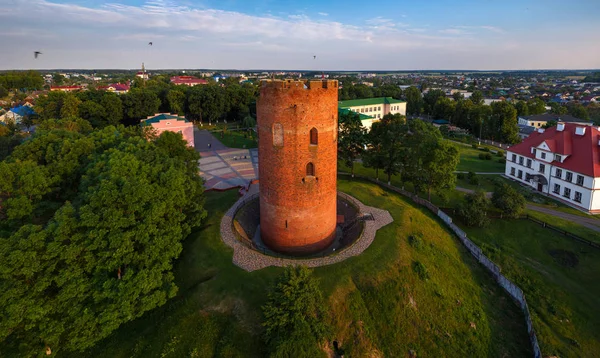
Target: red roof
{"x": 187, "y": 80}
{"x": 116, "y": 86}
{"x": 583, "y": 150}
{"x": 66, "y": 87}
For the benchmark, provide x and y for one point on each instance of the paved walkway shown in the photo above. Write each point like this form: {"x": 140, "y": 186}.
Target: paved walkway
{"x": 590, "y": 223}
{"x": 251, "y": 260}
{"x": 222, "y": 167}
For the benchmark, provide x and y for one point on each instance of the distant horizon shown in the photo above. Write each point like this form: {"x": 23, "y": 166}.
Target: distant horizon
{"x": 314, "y": 35}
{"x": 300, "y": 70}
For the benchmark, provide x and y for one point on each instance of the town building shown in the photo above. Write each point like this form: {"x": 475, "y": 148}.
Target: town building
{"x": 365, "y": 120}
{"x": 162, "y": 122}
{"x": 188, "y": 81}
{"x": 66, "y": 88}
{"x": 374, "y": 107}
{"x": 143, "y": 74}
{"x": 17, "y": 113}
{"x": 117, "y": 88}
{"x": 562, "y": 162}
{"x": 298, "y": 127}
{"x": 539, "y": 120}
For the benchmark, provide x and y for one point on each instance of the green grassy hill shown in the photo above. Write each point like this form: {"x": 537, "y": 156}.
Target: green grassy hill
{"x": 424, "y": 294}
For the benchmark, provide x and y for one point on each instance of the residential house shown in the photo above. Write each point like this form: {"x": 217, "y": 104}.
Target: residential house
{"x": 375, "y": 107}
{"x": 562, "y": 162}
{"x": 188, "y": 81}
{"x": 17, "y": 114}
{"x": 539, "y": 120}
{"x": 117, "y": 88}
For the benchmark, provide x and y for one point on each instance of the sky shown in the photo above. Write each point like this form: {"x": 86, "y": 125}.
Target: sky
{"x": 285, "y": 34}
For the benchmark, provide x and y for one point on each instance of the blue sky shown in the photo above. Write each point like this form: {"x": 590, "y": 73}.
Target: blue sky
{"x": 269, "y": 34}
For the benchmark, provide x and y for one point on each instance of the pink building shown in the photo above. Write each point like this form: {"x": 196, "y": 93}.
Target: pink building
{"x": 188, "y": 81}
{"x": 171, "y": 122}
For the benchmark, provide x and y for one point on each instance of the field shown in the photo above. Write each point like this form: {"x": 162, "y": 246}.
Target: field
{"x": 236, "y": 139}
{"x": 470, "y": 162}
{"x": 425, "y": 294}
{"x": 560, "y": 280}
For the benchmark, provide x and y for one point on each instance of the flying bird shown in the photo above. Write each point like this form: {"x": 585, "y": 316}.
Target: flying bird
{"x": 150, "y": 43}
{"x": 314, "y": 57}
{"x": 36, "y": 53}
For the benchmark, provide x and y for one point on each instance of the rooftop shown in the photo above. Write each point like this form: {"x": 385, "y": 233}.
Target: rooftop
{"x": 546, "y": 117}
{"x": 368, "y": 102}
{"x": 162, "y": 116}
{"x": 583, "y": 151}
{"x": 363, "y": 117}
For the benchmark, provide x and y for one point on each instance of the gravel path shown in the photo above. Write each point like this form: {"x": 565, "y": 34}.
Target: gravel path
{"x": 251, "y": 260}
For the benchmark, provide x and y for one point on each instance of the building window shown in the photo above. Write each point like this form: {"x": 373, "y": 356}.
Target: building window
{"x": 558, "y": 173}
{"x": 512, "y": 171}
{"x": 520, "y": 174}
{"x": 310, "y": 170}
{"x": 528, "y": 163}
{"x": 521, "y": 160}
{"x": 379, "y": 108}
{"x": 278, "y": 134}
{"x": 514, "y": 158}
{"x": 557, "y": 157}
{"x": 542, "y": 168}
{"x": 543, "y": 155}
{"x": 569, "y": 177}
{"x": 314, "y": 136}
{"x": 580, "y": 180}
{"x": 567, "y": 193}
{"x": 534, "y": 151}
{"x": 556, "y": 189}
{"x": 578, "y": 197}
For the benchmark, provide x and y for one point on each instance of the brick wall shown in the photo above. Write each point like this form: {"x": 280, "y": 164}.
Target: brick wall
{"x": 297, "y": 212}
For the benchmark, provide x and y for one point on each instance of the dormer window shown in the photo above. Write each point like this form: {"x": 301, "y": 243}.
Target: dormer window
{"x": 557, "y": 157}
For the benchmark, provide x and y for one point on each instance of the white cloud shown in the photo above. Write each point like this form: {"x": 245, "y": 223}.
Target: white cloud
{"x": 323, "y": 14}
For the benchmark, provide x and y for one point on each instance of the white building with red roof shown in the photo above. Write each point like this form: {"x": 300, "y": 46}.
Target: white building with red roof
{"x": 188, "y": 81}
{"x": 116, "y": 88}
{"x": 563, "y": 162}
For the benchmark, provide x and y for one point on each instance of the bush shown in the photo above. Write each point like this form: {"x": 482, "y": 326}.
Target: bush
{"x": 473, "y": 209}
{"x": 500, "y": 153}
{"x": 508, "y": 200}
{"x": 460, "y": 176}
{"x": 474, "y": 146}
{"x": 485, "y": 149}
{"x": 482, "y": 156}
{"x": 415, "y": 241}
{"x": 420, "y": 270}
{"x": 473, "y": 178}
{"x": 488, "y": 156}
{"x": 502, "y": 161}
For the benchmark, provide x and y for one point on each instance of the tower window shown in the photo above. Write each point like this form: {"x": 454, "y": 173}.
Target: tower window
{"x": 310, "y": 169}
{"x": 314, "y": 136}
{"x": 278, "y": 135}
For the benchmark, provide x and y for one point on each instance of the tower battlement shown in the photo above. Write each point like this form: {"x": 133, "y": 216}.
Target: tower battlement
{"x": 290, "y": 83}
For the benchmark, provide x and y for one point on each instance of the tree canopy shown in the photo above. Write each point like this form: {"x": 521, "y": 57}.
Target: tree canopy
{"x": 90, "y": 223}
{"x": 352, "y": 138}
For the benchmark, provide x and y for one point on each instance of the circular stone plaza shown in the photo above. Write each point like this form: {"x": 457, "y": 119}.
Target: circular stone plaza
{"x": 290, "y": 212}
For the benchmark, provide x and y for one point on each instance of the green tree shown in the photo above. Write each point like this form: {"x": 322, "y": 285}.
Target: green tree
{"x": 444, "y": 108}
{"x": 93, "y": 112}
{"x": 104, "y": 257}
{"x": 536, "y": 106}
{"x": 550, "y": 124}
{"x": 58, "y": 79}
{"x": 430, "y": 99}
{"x": 503, "y": 124}
{"x": 352, "y": 139}
{"x": 414, "y": 101}
{"x": 577, "y": 110}
{"x": 70, "y": 106}
{"x": 558, "y": 109}
{"x": 388, "y": 134}
{"x": 22, "y": 185}
{"x": 473, "y": 210}
{"x": 522, "y": 109}
{"x": 508, "y": 200}
{"x": 3, "y": 92}
{"x": 176, "y": 101}
{"x": 113, "y": 106}
{"x": 477, "y": 98}
{"x": 140, "y": 103}
{"x": 49, "y": 106}
{"x": 295, "y": 315}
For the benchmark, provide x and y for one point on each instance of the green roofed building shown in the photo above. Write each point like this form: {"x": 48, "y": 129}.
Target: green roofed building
{"x": 374, "y": 108}
{"x": 367, "y": 121}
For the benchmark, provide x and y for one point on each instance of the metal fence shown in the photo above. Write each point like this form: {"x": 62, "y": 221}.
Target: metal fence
{"x": 561, "y": 231}
{"x": 510, "y": 287}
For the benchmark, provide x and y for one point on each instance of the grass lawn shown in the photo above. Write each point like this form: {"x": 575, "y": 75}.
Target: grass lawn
{"x": 486, "y": 183}
{"x": 567, "y": 225}
{"x": 470, "y": 162}
{"x": 429, "y": 296}
{"x": 560, "y": 280}
{"x": 236, "y": 139}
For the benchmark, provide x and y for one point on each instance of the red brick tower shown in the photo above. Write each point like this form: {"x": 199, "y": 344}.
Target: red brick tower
{"x": 297, "y": 129}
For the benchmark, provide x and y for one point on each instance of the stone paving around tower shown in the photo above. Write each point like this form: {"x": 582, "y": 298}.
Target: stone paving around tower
{"x": 224, "y": 168}
{"x": 251, "y": 260}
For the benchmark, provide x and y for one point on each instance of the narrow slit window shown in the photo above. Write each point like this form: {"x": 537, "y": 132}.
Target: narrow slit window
{"x": 278, "y": 134}
{"x": 314, "y": 136}
{"x": 310, "y": 169}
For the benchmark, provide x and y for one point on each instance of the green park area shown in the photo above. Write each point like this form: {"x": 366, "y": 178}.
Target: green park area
{"x": 471, "y": 161}
{"x": 559, "y": 277}
{"x": 237, "y": 139}
{"x": 414, "y": 289}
